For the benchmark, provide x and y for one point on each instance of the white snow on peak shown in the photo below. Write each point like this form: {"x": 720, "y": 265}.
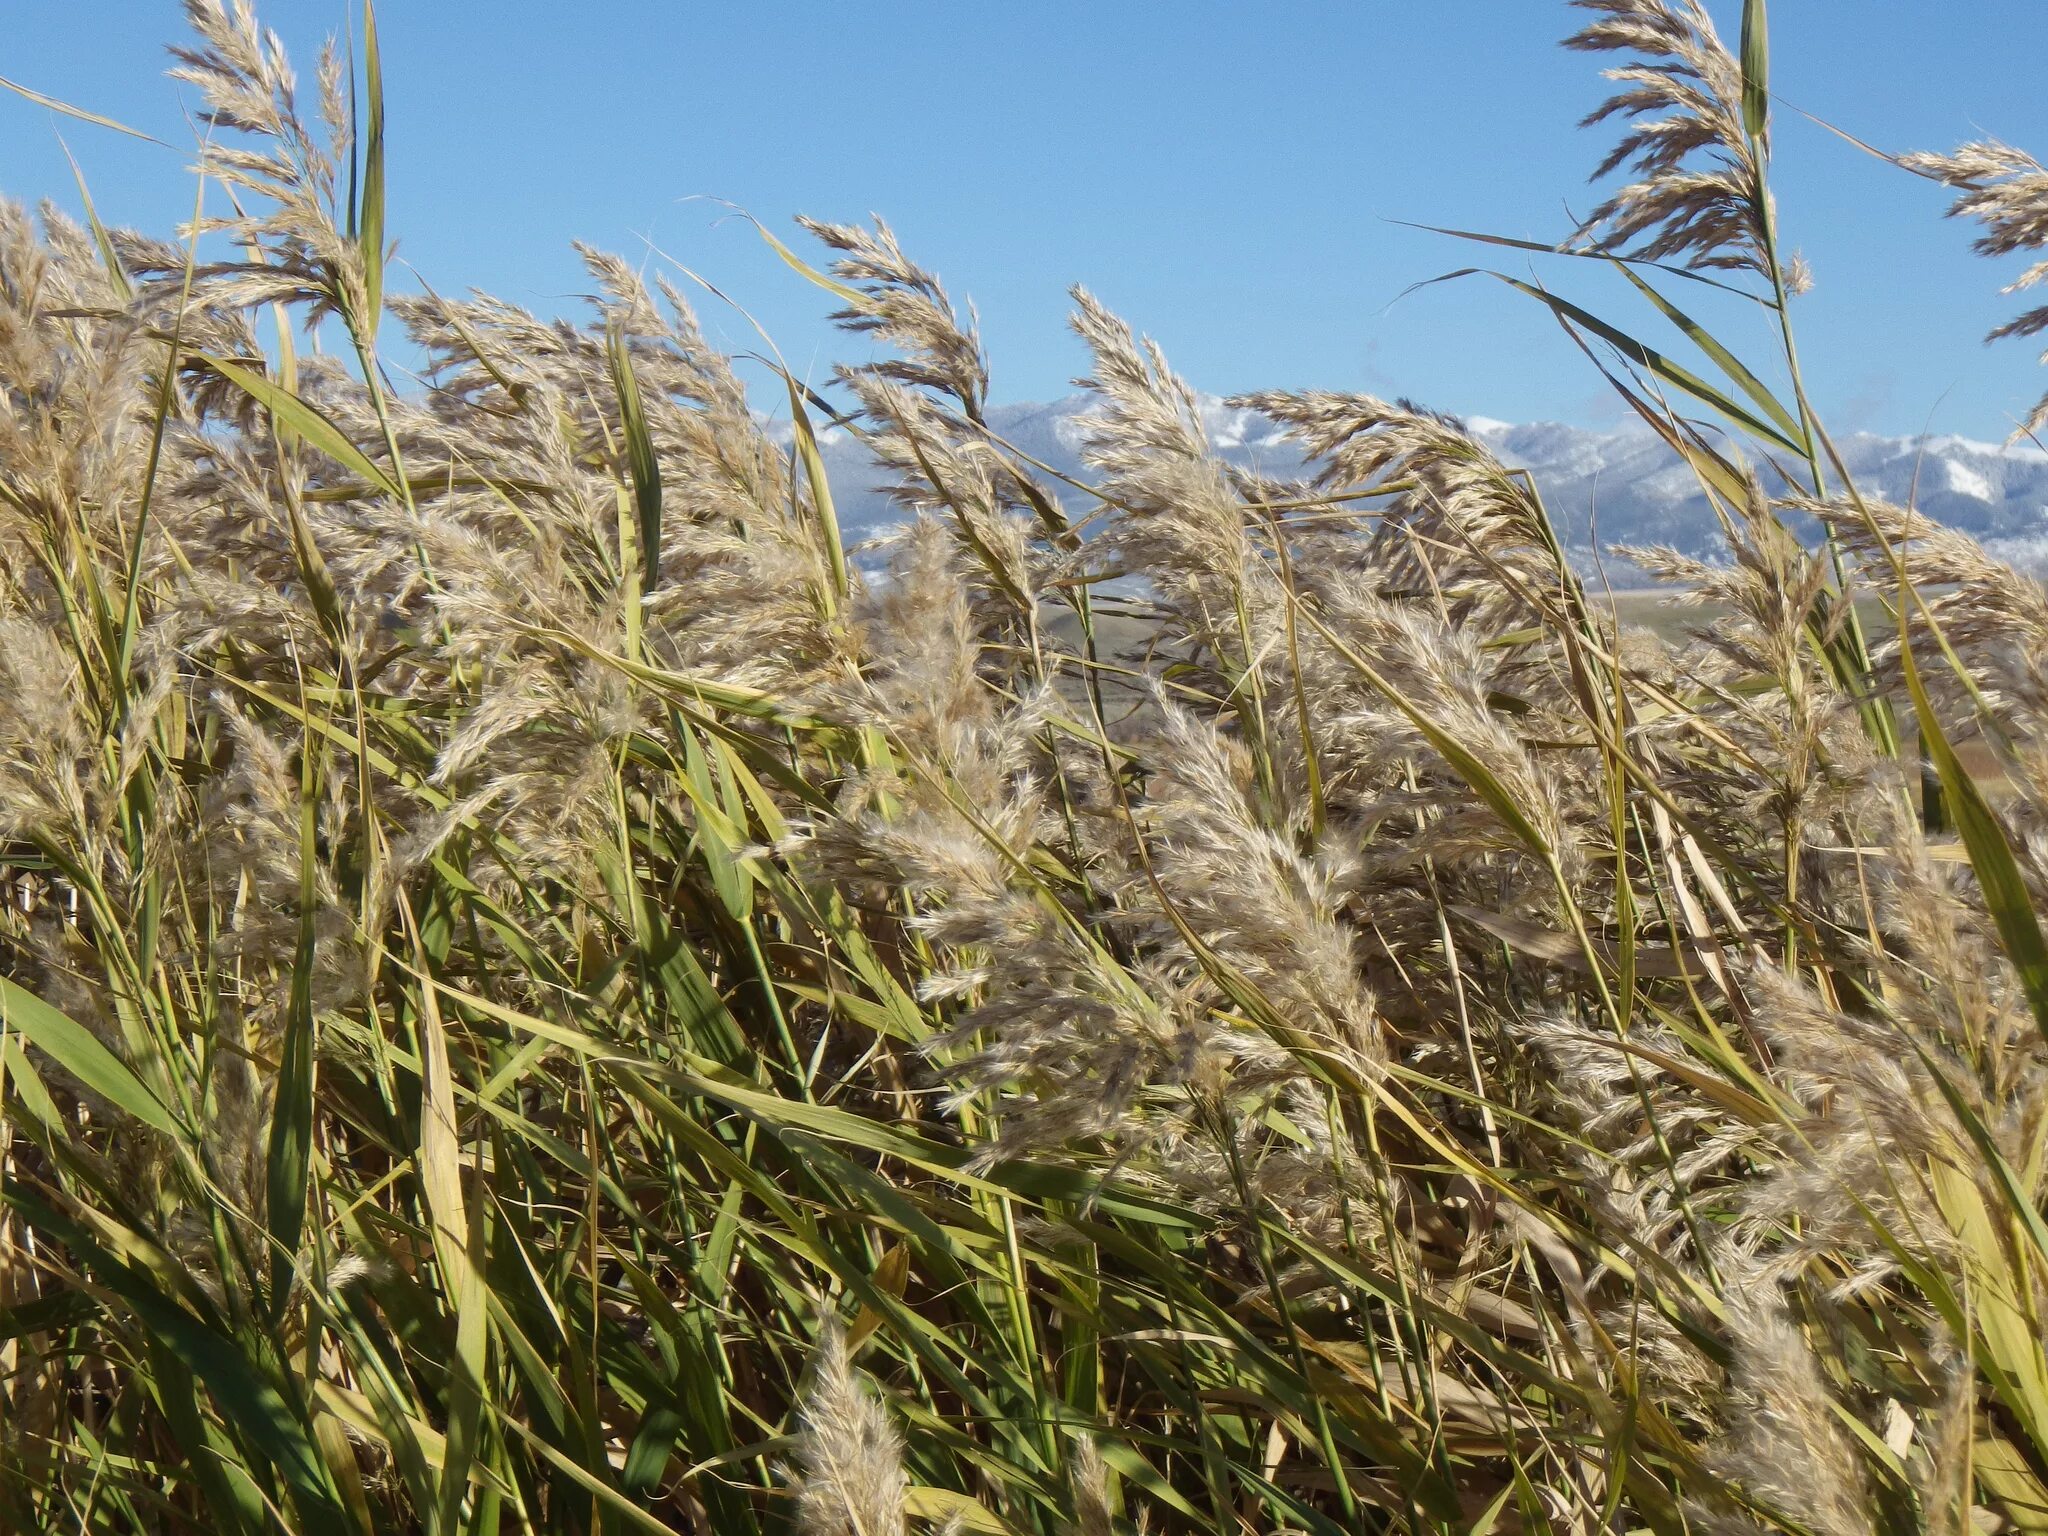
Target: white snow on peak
{"x": 1965, "y": 481}
{"x": 1603, "y": 486}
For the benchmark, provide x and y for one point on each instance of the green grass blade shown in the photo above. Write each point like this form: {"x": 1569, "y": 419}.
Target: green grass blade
{"x": 1724, "y": 359}
{"x": 78, "y": 112}
{"x": 251, "y": 1404}
{"x": 821, "y": 497}
{"x": 309, "y": 423}
{"x": 78, "y": 1051}
{"x": 1756, "y": 70}
{"x": 289, "y": 1154}
{"x": 1670, "y": 372}
{"x": 370, "y": 207}
{"x": 116, "y": 273}
{"x": 641, "y": 463}
{"x": 1983, "y": 834}
{"x": 455, "y": 1246}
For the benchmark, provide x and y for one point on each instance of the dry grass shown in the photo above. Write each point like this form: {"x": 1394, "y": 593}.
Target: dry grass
{"x": 536, "y": 996}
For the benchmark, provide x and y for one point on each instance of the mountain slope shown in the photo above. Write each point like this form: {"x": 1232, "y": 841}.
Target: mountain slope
{"x": 1619, "y": 486}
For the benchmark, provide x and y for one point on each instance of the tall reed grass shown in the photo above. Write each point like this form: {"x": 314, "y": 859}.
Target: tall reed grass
{"x": 542, "y": 993}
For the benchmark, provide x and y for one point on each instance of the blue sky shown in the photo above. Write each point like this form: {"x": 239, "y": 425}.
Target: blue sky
{"x": 1223, "y": 173}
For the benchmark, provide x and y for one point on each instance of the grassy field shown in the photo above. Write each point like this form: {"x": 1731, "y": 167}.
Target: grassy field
{"x": 538, "y": 996}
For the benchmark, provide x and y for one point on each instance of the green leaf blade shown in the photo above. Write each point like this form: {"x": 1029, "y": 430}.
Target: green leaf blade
{"x": 78, "y": 1051}
{"x": 1756, "y": 70}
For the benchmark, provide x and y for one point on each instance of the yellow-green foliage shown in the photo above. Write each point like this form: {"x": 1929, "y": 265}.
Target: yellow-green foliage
{"x": 540, "y": 992}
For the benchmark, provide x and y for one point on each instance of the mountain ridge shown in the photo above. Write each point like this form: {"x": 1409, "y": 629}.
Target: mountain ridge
{"x": 1605, "y": 486}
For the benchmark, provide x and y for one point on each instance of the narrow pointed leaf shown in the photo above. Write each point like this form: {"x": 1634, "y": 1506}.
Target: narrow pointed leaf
{"x": 78, "y": 112}
{"x": 304, "y": 419}
{"x": 370, "y": 211}
{"x": 289, "y": 1154}
{"x": 1670, "y": 372}
{"x": 1724, "y": 359}
{"x": 78, "y": 1051}
{"x": 1983, "y": 834}
{"x": 255, "y": 1406}
{"x": 1756, "y": 70}
{"x": 641, "y": 462}
{"x": 821, "y": 495}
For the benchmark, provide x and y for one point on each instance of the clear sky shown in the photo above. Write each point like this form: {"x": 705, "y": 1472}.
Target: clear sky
{"x": 1223, "y": 172}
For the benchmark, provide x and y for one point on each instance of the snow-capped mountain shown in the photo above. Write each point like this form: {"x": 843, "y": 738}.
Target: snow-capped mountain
{"x": 1605, "y": 487}
{"x": 1624, "y": 486}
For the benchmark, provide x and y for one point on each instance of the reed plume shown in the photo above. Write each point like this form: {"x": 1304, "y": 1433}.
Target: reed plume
{"x": 1263, "y": 999}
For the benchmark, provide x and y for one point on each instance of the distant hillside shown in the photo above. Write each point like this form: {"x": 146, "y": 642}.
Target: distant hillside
{"x": 1619, "y": 486}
